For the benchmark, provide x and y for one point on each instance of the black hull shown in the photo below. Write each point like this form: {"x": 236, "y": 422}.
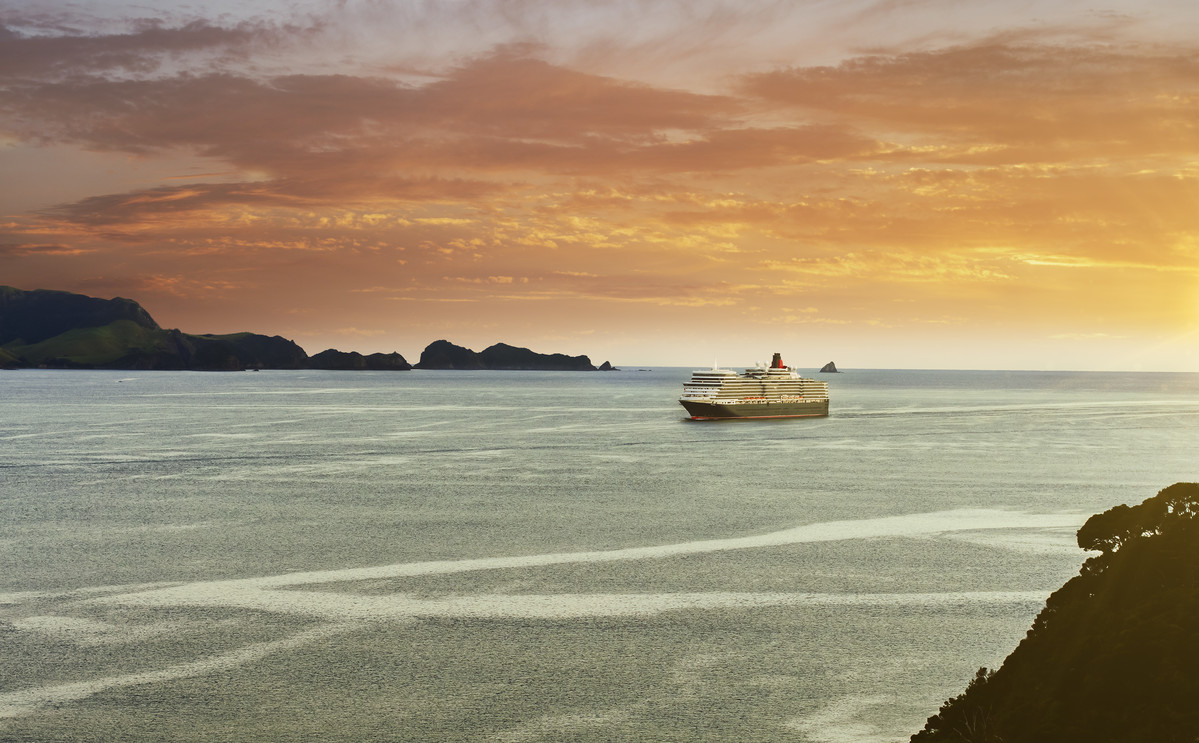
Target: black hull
{"x": 749, "y": 409}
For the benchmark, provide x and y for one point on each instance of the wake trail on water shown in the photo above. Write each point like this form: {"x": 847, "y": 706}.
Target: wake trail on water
{"x": 344, "y": 612}
{"x": 25, "y": 701}
{"x": 210, "y": 593}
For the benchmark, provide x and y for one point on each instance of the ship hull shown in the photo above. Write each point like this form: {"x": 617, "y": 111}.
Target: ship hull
{"x": 748, "y": 409}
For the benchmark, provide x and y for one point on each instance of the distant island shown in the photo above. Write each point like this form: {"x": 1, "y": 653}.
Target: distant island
{"x": 830, "y": 368}
{"x": 352, "y": 361}
{"x": 51, "y": 329}
{"x": 445, "y": 355}
{"x": 1112, "y": 656}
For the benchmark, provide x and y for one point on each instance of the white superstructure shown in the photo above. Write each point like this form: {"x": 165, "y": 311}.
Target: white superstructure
{"x": 760, "y": 391}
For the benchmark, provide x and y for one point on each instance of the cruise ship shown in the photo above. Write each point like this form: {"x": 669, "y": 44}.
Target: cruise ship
{"x": 774, "y": 391}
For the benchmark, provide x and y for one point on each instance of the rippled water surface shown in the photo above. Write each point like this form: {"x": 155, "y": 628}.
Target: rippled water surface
{"x": 523, "y": 556}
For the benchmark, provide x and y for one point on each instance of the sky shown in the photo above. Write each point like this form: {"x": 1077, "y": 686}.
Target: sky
{"x": 879, "y": 183}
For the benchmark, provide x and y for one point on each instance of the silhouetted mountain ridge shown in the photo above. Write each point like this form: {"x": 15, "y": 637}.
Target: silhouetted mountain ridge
{"x": 38, "y": 315}
{"x": 56, "y": 329}
{"x": 352, "y": 360}
{"x": 442, "y": 354}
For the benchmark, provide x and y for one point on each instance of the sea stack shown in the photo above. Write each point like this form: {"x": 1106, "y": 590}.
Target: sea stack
{"x": 829, "y": 368}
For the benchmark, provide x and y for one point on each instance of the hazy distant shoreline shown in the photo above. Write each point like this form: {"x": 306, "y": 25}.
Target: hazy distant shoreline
{"x": 61, "y": 330}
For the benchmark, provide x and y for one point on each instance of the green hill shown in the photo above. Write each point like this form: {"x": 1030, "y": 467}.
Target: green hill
{"x": 120, "y": 344}
{"x": 1113, "y": 655}
{"x": 9, "y": 360}
{"x": 44, "y": 328}
{"x": 34, "y": 316}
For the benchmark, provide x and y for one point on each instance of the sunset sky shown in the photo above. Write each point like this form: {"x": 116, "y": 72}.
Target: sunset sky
{"x": 901, "y": 183}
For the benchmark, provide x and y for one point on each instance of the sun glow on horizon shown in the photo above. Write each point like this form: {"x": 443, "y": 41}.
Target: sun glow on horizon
{"x": 975, "y": 188}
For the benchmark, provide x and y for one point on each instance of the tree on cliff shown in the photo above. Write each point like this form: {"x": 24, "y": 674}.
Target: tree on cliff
{"x": 1112, "y": 656}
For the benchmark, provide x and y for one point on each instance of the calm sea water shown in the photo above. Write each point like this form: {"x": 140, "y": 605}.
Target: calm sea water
{"x": 522, "y": 556}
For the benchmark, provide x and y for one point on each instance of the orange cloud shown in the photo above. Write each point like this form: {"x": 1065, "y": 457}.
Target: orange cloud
{"x": 1025, "y": 101}
{"x": 40, "y": 249}
{"x": 969, "y": 185}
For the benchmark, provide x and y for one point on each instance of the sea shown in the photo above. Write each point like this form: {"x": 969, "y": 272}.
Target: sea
{"x": 540, "y": 556}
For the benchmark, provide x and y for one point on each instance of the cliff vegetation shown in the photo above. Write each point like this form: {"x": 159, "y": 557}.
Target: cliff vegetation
{"x": 1113, "y": 655}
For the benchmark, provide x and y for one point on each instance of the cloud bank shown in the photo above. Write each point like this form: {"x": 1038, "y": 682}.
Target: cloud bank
{"x": 1029, "y": 177}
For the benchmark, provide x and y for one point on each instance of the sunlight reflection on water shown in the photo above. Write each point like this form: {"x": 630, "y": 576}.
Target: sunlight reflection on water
{"x": 474, "y": 556}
